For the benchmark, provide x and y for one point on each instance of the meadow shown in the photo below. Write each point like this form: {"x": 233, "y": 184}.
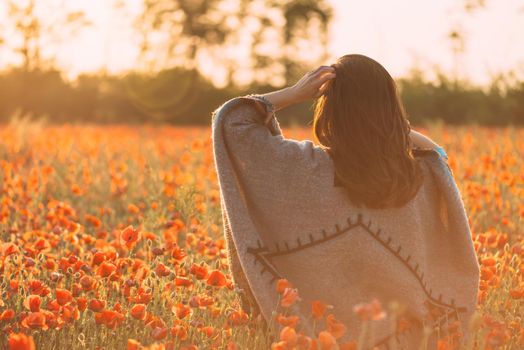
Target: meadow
{"x": 111, "y": 238}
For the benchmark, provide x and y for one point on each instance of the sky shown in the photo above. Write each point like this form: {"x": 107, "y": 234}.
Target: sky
{"x": 400, "y": 34}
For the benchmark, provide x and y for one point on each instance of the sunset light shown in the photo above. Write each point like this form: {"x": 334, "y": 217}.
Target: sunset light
{"x": 261, "y": 174}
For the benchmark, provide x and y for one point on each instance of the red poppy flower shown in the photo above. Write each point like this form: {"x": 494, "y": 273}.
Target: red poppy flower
{"x": 98, "y": 258}
{"x": 289, "y": 336}
{"x": 181, "y": 310}
{"x": 162, "y": 270}
{"x": 200, "y": 271}
{"x": 289, "y": 297}
{"x": 209, "y": 331}
{"x": 335, "y": 327}
{"x": 109, "y": 318}
{"x": 216, "y": 278}
{"x": 70, "y": 313}
{"x": 159, "y": 333}
{"x": 63, "y": 296}
{"x": 327, "y": 341}
{"x": 282, "y": 284}
{"x": 20, "y": 341}
{"x": 133, "y": 344}
{"x": 7, "y": 315}
{"x": 9, "y": 248}
{"x": 81, "y": 302}
{"x": 178, "y": 253}
{"x": 96, "y": 305}
{"x": 179, "y": 331}
{"x": 129, "y": 236}
{"x": 38, "y": 287}
{"x": 35, "y": 320}
{"x": 238, "y": 317}
{"x": 32, "y": 302}
{"x": 183, "y": 281}
{"x": 143, "y": 297}
{"x": 291, "y": 321}
{"x": 87, "y": 283}
{"x": 105, "y": 269}
{"x": 138, "y": 311}
{"x": 318, "y": 308}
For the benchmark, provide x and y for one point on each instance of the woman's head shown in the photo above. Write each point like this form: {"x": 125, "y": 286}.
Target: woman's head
{"x": 362, "y": 123}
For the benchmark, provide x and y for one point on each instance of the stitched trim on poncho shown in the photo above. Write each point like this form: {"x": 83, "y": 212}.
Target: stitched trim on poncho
{"x": 263, "y": 256}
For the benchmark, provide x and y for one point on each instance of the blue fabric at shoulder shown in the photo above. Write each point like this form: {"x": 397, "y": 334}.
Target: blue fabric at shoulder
{"x": 441, "y": 151}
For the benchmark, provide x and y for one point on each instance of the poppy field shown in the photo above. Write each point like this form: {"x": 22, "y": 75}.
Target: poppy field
{"x": 111, "y": 238}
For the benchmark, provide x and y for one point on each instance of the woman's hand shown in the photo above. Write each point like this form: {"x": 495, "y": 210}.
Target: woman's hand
{"x": 313, "y": 84}
{"x": 310, "y": 86}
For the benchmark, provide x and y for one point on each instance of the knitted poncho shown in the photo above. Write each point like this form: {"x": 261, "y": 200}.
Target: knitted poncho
{"x": 285, "y": 217}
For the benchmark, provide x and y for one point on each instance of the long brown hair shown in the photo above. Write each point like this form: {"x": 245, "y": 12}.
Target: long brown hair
{"x": 361, "y": 122}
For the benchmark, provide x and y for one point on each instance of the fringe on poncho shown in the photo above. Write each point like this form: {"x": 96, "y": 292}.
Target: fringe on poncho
{"x": 284, "y": 217}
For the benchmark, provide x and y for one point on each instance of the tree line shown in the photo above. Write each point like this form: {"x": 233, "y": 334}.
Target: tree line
{"x": 182, "y": 96}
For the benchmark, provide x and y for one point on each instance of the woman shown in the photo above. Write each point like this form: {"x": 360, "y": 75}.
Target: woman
{"x": 373, "y": 212}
